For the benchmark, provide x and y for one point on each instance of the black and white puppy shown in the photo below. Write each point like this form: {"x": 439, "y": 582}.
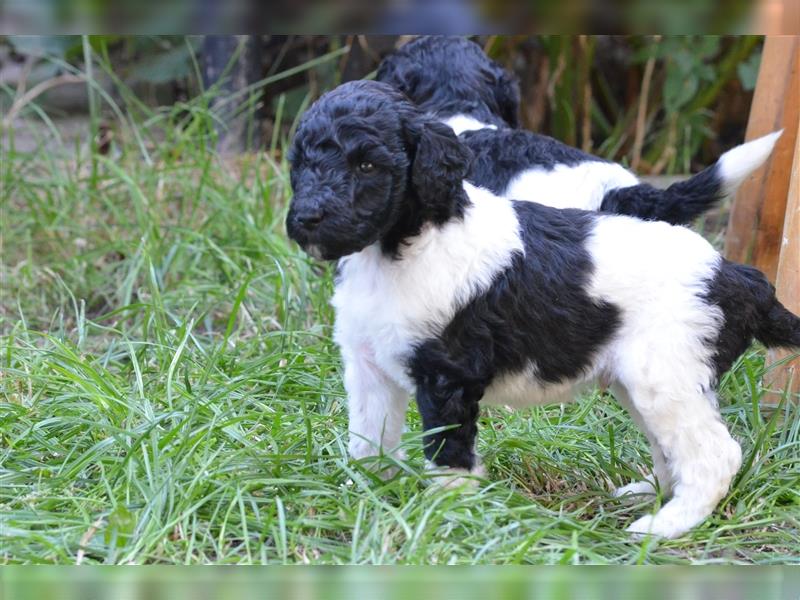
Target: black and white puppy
{"x": 453, "y": 79}
{"x": 449, "y": 292}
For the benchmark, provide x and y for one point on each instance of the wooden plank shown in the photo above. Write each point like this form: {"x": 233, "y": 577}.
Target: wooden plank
{"x": 769, "y": 17}
{"x": 777, "y": 17}
{"x": 791, "y": 17}
{"x": 770, "y": 225}
{"x": 756, "y": 221}
{"x": 788, "y": 281}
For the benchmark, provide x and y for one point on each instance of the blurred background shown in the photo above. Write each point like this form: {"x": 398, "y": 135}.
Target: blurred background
{"x": 662, "y": 105}
{"x": 101, "y": 136}
{"x": 403, "y": 16}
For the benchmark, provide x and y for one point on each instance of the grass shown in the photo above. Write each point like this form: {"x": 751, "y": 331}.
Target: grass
{"x": 170, "y": 393}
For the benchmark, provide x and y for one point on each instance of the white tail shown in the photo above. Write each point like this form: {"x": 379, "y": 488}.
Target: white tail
{"x": 737, "y": 164}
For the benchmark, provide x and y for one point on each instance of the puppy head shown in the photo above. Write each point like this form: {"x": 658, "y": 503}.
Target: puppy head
{"x": 367, "y": 166}
{"x": 446, "y": 75}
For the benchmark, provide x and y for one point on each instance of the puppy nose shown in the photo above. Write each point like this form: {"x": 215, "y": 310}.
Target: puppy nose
{"x": 309, "y": 219}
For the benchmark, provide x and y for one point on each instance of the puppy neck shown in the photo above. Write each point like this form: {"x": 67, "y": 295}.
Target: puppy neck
{"x": 422, "y": 214}
{"x": 485, "y": 222}
{"x": 476, "y": 245}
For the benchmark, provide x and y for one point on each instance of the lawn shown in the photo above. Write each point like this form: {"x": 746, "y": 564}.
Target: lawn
{"x": 170, "y": 393}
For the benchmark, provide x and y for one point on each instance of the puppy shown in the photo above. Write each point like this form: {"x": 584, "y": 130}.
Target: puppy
{"x": 460, "y": 297}
{"x": 453, "y": 79}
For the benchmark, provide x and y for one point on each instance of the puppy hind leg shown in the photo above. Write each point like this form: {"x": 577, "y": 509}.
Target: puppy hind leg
{"x": 699, "y": 451}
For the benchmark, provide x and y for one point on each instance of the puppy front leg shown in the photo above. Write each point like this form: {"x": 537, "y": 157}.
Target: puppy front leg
{"x": 443, "y": 403}
{"x": 376, "y": 406}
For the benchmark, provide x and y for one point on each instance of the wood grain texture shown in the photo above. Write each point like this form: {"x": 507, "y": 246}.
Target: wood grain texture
{"x": 791, "y": 17}
{"x": 788, "y": 280}
{"x": 756, "y": 221}
{"x": 777, "y": 17}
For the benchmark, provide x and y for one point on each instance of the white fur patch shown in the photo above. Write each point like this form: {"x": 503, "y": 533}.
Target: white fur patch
{"x": 646, "y": 487}
{"x": 739, "y": 162}
{"x": 461, "y": 123}
{"x": 656, "y": 273}
{"x": 579, "y": 186}
{"x": 518, "y": 390}
{"x": 376, "y": 404}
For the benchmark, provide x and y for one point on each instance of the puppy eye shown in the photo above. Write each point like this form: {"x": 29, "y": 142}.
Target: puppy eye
{"x": 366, "y": 167}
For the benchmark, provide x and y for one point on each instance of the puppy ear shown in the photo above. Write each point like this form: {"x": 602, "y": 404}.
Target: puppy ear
{"x": 506, "y": 95}
{"x": 441, "y": 162}
{"x": 398, "y": 73}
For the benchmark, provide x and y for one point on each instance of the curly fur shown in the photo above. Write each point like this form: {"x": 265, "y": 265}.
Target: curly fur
{"x": 461, "y": 297}
{"x": 449, "y": 76}
{"x": 453, "y": 79}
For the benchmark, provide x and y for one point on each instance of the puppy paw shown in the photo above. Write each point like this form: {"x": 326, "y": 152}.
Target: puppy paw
{"x": 658, "y": 525}
{"x": 451, "y": 478}
{"x": 646, "y": 487}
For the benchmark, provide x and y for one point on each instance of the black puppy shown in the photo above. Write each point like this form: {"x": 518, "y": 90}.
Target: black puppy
{"x": 462, "y": 297}
{"x": 453, "y": 79}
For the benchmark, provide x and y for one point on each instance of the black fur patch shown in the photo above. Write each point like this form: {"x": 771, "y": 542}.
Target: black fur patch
{"x": 680, "y": 203}
{"x": 751, "y": 310}
{"x": 447, "y": 75}
{"x": 500, "y": 155}
{"x": 537, "y": 311}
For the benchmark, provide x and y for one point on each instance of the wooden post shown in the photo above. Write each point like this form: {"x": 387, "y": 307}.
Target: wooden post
{"x": 788, "y": 281}
{"x": 764, "y": 225}
{"x": 756, "y": 221}
{"x": 781, "y": 17}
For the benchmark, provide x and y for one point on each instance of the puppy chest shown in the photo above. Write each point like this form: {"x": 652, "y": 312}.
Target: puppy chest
{"x": 387, "y": 314}
{"x": 381, "y": 334}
